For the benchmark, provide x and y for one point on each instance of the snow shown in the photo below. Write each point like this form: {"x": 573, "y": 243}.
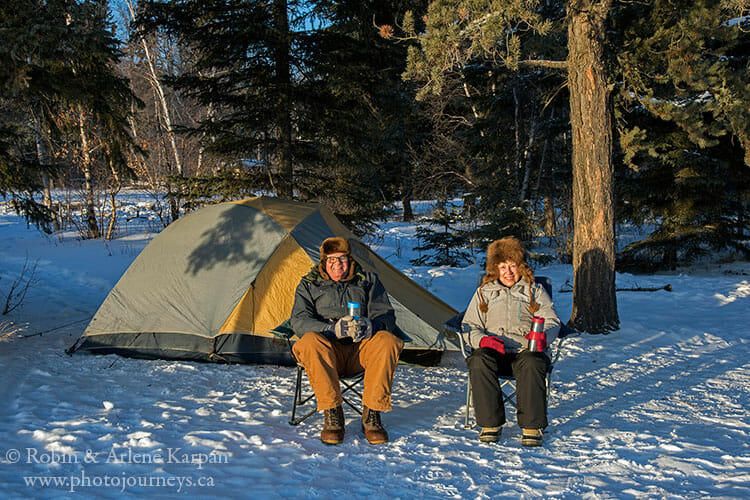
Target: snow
{"x": 657, "y": 409}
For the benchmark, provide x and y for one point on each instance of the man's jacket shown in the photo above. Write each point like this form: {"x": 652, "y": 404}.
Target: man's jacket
{"x": 319, "y": 301}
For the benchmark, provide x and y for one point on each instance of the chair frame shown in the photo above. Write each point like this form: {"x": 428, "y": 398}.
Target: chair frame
{"x": 349, "y": 385}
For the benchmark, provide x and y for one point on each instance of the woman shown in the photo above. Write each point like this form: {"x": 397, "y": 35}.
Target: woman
{"x": 497, "y": 320}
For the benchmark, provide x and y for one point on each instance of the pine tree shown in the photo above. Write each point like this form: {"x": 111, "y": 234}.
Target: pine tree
{"x": 444, "y": 246}
{"x": 59, "y": 57}
{"x": 457, "y": 31}
{"x": 685, "y": 129}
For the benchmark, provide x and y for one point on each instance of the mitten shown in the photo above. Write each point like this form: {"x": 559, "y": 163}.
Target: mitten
{"x": 362, "y": 329}
{"x": 492, "y": 342}
{"x": 541, "y": 340}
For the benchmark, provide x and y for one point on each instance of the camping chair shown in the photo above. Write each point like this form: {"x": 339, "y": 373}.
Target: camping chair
{"x": 507, "y": 382}
{"x": 349, "y": 384}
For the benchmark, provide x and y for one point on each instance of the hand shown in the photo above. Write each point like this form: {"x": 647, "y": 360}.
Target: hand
{"x": 343, "y": 328}
{"x": 492, "y": 342}
{"x": 362, "y": 329}
{"x": 541, "y": 340}
{"x": 357, "y": 329}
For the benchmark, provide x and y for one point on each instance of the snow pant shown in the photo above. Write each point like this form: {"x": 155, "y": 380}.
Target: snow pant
{"x": 325, "y": 360}
{"x": 529, "y": 370}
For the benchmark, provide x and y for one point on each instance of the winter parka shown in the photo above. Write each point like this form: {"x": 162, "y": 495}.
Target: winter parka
{"x": 508, "y": 316}
{"x": 320, "y": 301}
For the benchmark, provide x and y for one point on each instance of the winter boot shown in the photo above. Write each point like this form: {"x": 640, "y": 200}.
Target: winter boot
{"x": 333, "y": 427}
{"x": 372, "y": 427}
{"x": 532, "y": 437}
{"x": 490, "y": 434}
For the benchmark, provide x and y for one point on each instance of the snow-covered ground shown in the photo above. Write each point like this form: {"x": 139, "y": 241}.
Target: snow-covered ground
{"x": 658, "y": 409}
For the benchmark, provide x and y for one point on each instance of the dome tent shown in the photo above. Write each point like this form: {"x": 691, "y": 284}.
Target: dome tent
{"x": 214, "y": 284}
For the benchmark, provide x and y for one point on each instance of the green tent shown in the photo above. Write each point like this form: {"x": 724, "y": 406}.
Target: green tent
{"x": 216, "y": 284}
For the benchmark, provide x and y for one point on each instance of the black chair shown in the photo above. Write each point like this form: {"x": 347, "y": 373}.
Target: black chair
{"x": 507, "y": 383}
{"x": 349, "y": 384}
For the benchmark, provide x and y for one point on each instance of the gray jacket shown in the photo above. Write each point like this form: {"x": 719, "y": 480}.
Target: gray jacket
{"x": 319, "y": 301}
{"x": 508, "y": 315}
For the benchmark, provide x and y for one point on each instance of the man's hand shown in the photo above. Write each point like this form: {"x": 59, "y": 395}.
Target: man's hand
{"x": 362, "y": 330}
{"x": 492, "y": 342}
{"x": 357, "y": 329}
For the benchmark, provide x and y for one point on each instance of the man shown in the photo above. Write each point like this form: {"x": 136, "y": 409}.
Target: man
{"x": 333, "y": 344}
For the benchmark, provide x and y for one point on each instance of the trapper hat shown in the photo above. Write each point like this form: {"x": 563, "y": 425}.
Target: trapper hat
{"x": 506, "y": 249}
{"x": 335, "y": 244}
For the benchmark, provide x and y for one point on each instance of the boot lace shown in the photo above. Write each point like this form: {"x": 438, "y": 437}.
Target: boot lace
{"x": 373, "y": 418}
{"x": 333, "y": 417}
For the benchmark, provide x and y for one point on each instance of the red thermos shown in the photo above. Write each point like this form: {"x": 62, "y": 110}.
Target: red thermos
{"x": 536, "y": 333}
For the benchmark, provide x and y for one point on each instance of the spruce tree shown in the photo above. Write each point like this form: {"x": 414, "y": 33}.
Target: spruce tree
{"x": 443, "y": 246}
{"x": 458, "y": 31}
{"x": 59, "y": 57}
{"x": 684, "y": 130}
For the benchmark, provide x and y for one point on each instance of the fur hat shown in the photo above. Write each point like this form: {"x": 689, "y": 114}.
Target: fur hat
{"x": 506, "y": 249}
{"x": 334, "y": 245}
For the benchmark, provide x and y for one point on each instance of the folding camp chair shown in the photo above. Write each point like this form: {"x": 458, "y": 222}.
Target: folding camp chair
{"x": 349, "y": 384}
{"x": 507, "y": 383}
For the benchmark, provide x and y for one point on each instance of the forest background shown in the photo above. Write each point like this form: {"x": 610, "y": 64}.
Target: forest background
{"x": 547, "y": 118}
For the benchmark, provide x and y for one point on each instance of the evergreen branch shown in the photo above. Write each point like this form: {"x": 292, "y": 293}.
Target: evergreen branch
{"x": 544, "y": 63}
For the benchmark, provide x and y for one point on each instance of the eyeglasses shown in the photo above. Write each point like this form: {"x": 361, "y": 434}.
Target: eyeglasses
{"x": 341, "y": 260}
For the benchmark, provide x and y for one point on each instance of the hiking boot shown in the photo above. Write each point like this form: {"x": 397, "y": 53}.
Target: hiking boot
{"x": 372, "y": 427}
{"x": 532, "y": 437}
{"x": 490, "y": 434}
{"x": 333, "y": 427}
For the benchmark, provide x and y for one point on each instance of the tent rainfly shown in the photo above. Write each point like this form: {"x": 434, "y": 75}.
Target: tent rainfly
{"x": 215, "y": 283}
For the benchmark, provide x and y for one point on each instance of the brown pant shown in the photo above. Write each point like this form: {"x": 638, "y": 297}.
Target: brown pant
{"x": 326, "y": 360}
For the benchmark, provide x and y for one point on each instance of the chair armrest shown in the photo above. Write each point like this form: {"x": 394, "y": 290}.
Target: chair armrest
{"x": 452, "y": 329}
{"x": 284, "y": 330}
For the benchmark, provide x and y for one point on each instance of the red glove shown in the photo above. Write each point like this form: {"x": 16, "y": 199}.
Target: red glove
{"x": 491, "y": 342}
{"x": 541, "y": 340}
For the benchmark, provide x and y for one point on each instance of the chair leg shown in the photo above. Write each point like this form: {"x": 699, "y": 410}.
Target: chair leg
{"x": 299, "y": 401}
{"x": 350, "y": 385}
{"x": 510, "y": 397}
{"x": 468, "y": 405}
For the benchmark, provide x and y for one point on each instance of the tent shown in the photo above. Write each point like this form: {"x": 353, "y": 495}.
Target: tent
{"x": 213, "y": 286}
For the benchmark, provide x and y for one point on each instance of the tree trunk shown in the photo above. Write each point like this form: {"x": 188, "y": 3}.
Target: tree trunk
{"x": 407, "y": 210}
{"x": 284, "y": 120}
{"x": 550, "y": 224}
{"x": 527, "y": 159}
{"x": 594, "y": 298}
{"x": 153, "y": 79}
{"x": 91, "y": 223}
{"x": 41, "y": 156}
{"x": 113, "y": 190}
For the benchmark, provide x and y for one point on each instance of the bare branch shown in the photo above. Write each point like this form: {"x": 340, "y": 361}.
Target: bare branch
{"x": 20, "y": 287}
